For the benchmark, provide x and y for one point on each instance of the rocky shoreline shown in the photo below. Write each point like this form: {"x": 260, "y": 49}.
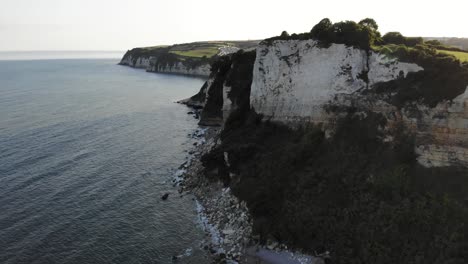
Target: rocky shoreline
{"x": 225, "y": 219}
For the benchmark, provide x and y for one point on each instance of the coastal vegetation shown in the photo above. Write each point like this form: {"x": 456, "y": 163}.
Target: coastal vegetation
{"x": 353, "y": 195}
{"x": 460, "y": 55}
{"x": 460, "y": 43}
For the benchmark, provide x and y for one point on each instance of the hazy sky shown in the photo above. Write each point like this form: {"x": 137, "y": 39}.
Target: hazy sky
{"x": 123, "y": 24}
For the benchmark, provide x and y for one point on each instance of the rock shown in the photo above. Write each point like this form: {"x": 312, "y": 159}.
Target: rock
{"x": 272, "y": 245}
{"x": 165, "y": 196}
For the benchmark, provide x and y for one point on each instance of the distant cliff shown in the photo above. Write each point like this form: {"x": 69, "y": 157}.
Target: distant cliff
{"x": 188, "y": 59}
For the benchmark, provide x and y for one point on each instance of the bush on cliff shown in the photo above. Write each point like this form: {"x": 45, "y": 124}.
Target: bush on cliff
{"x": 443, "y": 77}
{"x": 360, "y": 35}
{"x": 398, "y": 39}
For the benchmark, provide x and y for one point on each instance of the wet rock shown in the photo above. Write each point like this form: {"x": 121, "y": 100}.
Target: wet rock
{"x": 165, "y": 196}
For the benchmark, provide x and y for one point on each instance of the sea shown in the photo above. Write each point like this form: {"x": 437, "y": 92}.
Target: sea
{"x": 87, "y": 149}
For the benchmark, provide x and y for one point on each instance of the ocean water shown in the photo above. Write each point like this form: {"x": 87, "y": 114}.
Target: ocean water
{"x": 87, "y": 148}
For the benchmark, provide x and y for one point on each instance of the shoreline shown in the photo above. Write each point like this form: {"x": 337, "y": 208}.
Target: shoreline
{"x": 225, "y": 219}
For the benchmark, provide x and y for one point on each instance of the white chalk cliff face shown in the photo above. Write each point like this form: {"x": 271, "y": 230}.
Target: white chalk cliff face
{"x": 178, "y": 68}
{"x": 294, "y": 81}
{"x": 140, "y": 62}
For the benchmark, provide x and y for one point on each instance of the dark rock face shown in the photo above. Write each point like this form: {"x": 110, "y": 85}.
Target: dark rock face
{"x": 233, "y": 71}
{"x": 212, "y": 114}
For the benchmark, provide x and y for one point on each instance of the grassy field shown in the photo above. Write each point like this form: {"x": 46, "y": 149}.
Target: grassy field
{"x": 462, "y": 56}
{"x": 155, "y": 47}
{"x": 198, "y": 53}
{"x": 199, "y": 49}
{"x": 202, "y": 50}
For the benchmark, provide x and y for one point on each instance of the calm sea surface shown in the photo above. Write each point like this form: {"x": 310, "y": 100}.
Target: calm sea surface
{"x": 87, "y": 148}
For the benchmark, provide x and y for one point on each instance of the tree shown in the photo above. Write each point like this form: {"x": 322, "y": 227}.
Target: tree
{"x": 370, "y": 23}
{"x": 284, "y": 34}
{"x": 394, "y": 38}
{"x": 322, "y": 27}
{"x": 372, "y": 28}
{"x": 434, "y": 42}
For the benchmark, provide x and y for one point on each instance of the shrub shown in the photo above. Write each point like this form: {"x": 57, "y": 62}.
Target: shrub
{"x": 394, "y": 38}
{"x": 443, "y": 77}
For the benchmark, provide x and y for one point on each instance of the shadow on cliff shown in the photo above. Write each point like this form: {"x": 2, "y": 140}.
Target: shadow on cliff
{"x": 362, "y": 199}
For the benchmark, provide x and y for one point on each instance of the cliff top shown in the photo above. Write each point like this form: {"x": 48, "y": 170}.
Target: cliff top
{"x": 201, "y": 49}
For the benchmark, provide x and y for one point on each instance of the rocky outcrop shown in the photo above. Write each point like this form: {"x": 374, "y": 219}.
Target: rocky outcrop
{"x": 226, "y": 90}
{"x": 198, "y": 101}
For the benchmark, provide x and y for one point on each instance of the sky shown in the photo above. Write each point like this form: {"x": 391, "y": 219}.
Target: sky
{"x": 124, "y": 24}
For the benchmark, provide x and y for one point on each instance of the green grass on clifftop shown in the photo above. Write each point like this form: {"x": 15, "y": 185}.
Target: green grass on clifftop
{"x": 462, "y": 56}
{"x": 194, "y": 50}
{"x": 198, "y": 53}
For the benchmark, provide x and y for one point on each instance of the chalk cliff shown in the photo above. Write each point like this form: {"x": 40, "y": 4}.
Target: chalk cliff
{"x": 154, "y": 64}
{"x": 328, "y": 140}
{"x": 297, "y": 81}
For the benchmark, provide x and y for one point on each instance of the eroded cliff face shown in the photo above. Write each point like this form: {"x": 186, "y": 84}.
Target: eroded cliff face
{"x": 294, "y": 80}
{"x": 179, "y": 68}
{"x": 442, "y": 132}
{"x": 139, "y": 62}
{"x": 298, "y": 81}
{"x": 152, "y": 64}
